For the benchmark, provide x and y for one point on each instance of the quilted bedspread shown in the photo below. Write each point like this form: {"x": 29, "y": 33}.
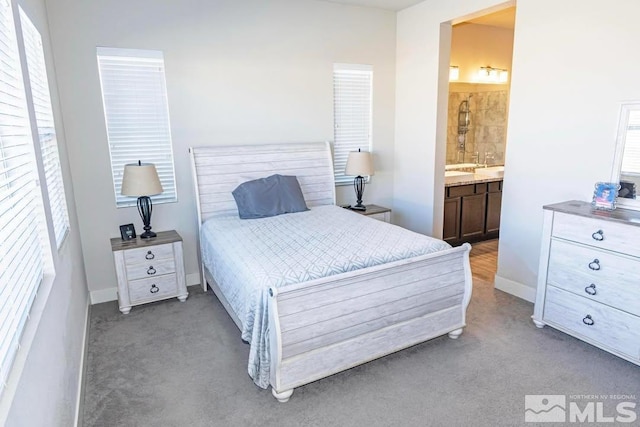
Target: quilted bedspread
{"x": 247, "y": 257}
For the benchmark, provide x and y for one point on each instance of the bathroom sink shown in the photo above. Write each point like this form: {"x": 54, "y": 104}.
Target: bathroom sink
{"x": 460, "y": 166}
{"x": 495, "y": 171}
{"x": 457, "y": 173}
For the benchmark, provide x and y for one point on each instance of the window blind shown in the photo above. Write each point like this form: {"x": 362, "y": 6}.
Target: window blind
{"x": 352, "y": 105}
{"x": 46, "y": 129}
{"x": 21, "y": 255}
{"x": 631, "y": 158}
{"x": 136, "y": 110}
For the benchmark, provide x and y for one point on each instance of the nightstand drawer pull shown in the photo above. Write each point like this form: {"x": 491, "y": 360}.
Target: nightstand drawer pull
{"x": 151, "y": 271}
{"x": 154, "y": 289}
{"x": 588, "y": 320}
{"x": 591, "y": 289}
{"x": 598, "y": 235}
{"x": 149, "y": 255}
{"x": 595, "y": 265}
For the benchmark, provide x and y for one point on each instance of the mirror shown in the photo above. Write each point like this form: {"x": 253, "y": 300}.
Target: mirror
{"x": 626, "y": 165}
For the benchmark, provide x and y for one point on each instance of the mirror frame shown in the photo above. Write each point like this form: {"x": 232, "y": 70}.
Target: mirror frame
{"x": 625, "y": 109}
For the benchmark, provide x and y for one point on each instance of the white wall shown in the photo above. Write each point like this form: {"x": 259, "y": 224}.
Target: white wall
{"x": 562, "y": 118}
{"x": 568, "y": 77}
{"x": 44, "y": 385}
{"x": 237, "y": 72}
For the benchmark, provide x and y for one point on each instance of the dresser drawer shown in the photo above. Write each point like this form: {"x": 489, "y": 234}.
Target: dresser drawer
{"x": 596, "y": 322}
{"x": 153, "y": 288}
{"x": 612, "y": 279}
{"x": 598, "y": 233}
{"x": 151, "y": 253}
{"x": 151, "y": 268}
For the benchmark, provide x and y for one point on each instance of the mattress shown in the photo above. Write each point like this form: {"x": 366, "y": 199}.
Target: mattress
{"x": 247, "y": 257}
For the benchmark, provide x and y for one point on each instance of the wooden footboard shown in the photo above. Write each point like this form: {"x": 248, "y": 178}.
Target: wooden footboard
{"x": 324, "y": 326}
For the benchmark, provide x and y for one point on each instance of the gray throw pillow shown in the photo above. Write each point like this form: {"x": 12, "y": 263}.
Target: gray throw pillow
{"x": 270, "y": 196}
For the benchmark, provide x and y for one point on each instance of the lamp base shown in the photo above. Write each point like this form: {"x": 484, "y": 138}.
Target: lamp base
{"x": 358, "y": 185}
{"x": 148, "y": 235}
{"x": 145, "y": 209}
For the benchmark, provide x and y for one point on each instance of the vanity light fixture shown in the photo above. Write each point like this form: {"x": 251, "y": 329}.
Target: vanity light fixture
{"x": 489, "y": 74}
{"x": 454, "y": 73}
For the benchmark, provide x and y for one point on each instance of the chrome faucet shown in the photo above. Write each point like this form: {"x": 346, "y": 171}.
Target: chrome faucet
{"x": 488, "y": 155}
{"x": 475, "y": 158}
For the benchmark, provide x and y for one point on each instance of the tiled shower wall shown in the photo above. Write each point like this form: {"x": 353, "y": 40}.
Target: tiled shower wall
{"x": 488, "y": 126}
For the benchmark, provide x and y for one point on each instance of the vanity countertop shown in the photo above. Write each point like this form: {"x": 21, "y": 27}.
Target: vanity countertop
{"x": 476, "y": 178}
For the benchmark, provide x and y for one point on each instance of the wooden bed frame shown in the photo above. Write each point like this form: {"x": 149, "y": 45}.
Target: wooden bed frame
{"x": 324, "y": 326}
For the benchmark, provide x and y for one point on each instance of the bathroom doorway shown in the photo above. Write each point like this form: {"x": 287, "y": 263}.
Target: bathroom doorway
{"x": 479, "y": 84}
{"x": 476, "y": 125}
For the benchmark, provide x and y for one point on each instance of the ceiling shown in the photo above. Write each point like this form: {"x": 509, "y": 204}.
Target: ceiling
{"x": 505, "y": 18}
{"x": 381, "y": 4}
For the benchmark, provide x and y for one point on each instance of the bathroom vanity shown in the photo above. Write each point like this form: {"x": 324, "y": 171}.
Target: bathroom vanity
{"x": 472, "y": 208}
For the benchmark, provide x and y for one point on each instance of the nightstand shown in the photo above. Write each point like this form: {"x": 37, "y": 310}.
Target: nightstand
{"x": 376, "y": 212}
{"x": 149, "y": 269}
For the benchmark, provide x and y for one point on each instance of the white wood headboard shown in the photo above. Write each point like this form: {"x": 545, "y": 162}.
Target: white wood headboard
{"x": 218, "y": 170}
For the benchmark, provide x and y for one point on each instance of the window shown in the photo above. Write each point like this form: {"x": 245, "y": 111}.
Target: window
{"x": 46, "y": 128}
{"x": 352, "y": 100}
{"x": 136, "y": 110}
{"x": 23, "y": 253}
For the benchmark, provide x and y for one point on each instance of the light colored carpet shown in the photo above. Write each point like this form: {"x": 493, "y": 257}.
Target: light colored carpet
{"x": 183, "y": 364}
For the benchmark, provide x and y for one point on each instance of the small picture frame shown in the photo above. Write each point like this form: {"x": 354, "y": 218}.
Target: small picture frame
{"x": 604, "y": 195}
{"x": 127, "y": 232}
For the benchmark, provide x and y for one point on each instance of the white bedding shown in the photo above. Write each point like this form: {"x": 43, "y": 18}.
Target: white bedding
{"x": 247, "y": 257}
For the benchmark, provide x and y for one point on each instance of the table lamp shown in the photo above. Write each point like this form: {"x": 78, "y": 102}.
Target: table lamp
{"x": 359, "y": 164}
{"x": 141, "y": 180}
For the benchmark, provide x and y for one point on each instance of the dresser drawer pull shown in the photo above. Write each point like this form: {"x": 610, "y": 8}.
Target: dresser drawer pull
{"x": 149, "y": 255}
{"x": 154, "y": 289}
{"x": 588, "y": 320}
{"x": 598, "y": 235}
{"x": 595, "y": 264}
{"x": 151, "y": 271}
{"x": 591, "y": 289}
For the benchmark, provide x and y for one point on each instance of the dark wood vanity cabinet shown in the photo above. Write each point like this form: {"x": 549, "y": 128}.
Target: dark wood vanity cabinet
{"x": 472, "y": 212}
{"x": 494, "y": 206}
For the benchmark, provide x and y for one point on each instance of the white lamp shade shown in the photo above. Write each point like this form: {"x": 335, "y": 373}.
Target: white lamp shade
{"x": 359, "y": 163}
{"x": 140, "y": 180}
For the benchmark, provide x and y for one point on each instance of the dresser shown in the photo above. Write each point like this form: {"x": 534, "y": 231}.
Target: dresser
{"x": 589, "y": 276}
{"x": 149, "y": 269}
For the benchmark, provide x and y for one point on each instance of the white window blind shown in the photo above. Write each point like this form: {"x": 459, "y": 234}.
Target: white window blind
{"x": 631, "y": 157}
{"x": 352, "y": 104}
{"x": 137, "y": 116}
{"x": 21, "y": 254}
{"x": 46, "y": 128}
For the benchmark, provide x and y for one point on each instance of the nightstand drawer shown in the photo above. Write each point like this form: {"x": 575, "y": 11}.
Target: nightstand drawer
{"x": 152, "y": 253}
{"x": 153, "y": 288}
{"x": 597, "y": 233}
{"x": 380, "y": 216}
{"x": 151, "y": 268}
{"x": 608, "y": 326}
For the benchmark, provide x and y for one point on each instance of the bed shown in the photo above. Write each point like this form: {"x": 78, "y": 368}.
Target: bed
{"x": 310, "y": 296}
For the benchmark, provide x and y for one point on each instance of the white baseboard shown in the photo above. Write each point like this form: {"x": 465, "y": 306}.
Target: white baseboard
{"x": 82, "y": 370}
{"x": 193, "y": 279}
{"x": 514, "y": 288}
{"x": 111, "y": 294}
{"x": 104, "y": 295}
